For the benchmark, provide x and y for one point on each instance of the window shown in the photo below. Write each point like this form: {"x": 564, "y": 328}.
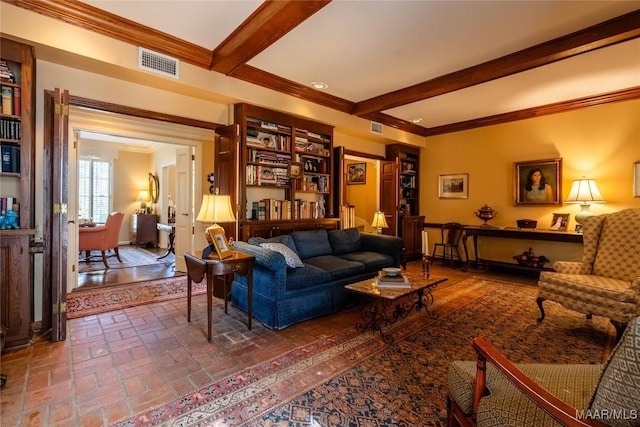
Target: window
{"x": 94, "y": 189}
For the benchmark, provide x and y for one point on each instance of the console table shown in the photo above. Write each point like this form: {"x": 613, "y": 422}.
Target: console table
{"x": 513, "y": 233}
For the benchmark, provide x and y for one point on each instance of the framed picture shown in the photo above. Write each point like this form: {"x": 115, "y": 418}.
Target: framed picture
{"x": 357, "y": 173}
{"x": 636, "y": 179}
{"x": 295, "y": 170}
{"x": 560, "y": 222}
{"x": 219, "y": 241}
{"x": 453, "y": 186}
{"x": 538, "y": 182}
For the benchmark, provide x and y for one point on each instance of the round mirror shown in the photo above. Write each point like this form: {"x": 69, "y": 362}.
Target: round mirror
{"x": 153, "y": 188}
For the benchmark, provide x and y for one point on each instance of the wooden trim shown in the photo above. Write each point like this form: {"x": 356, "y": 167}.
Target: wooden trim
{"x": 622, "y": 28}
{"x": 529, "y": 113}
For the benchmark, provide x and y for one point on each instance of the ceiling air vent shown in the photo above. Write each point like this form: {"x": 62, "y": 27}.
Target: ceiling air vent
{"x": 158, "y": 63}
{"x": 376, "y": 128}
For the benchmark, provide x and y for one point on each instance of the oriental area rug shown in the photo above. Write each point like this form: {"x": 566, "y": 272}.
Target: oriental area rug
{"x": 355, "y": 379}
{"x": 131, "y": 256}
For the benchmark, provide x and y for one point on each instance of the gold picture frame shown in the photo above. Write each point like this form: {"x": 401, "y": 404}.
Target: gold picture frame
{"x": 219, "y": 241}
{"x": 549, "y": 174}
{"x": 560, "y": 222}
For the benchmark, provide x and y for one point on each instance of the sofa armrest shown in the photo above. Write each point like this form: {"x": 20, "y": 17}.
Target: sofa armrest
{"x": 556, "y": 408}
{"x": 269, "y": 270}
{"x": 390, "y": 245}
{"x": 572, "y": 267}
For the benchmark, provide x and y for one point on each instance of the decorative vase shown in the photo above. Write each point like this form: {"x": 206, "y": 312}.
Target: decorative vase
{"x": 486, "y": 213}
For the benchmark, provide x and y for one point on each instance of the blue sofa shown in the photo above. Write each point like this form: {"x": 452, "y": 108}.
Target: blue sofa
{"x": 284, "y": 295}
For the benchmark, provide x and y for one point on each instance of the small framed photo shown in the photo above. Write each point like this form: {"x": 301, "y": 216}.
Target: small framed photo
{"x": 219, "y": 241}
{"x": 295, "y": 170}
{"x": 453, "y": 186}
{"x": 357, "y": 173}
{"x": 636, "y": 179}
{"x": 560, "y": 222}
{"x": 537, "y": 182}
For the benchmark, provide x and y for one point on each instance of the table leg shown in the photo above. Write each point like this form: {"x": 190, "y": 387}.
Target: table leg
{"x": 209, "y": 304}
{"x": 170, "y": 249}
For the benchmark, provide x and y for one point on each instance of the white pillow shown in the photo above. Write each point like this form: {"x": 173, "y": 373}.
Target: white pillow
{"x": 291, "y": 258}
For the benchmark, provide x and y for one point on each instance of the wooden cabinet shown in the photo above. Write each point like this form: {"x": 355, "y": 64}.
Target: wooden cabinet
{"x": 17, "y": 128}
{"x": 411, "y": 233}
{"x": 400, "y": 196}
{"x": 279, "y": 173}
{"x": 143, "y": 229}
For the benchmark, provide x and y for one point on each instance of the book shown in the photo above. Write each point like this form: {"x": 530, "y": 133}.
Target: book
{"x": 17, "y": 101}
{"x": 7, "y": 99}
{"x": 6, "y": 158}
{"x": 400, "y": 281}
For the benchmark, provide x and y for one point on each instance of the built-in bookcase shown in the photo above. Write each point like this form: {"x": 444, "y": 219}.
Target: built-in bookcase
{"x": 285, "y": 168}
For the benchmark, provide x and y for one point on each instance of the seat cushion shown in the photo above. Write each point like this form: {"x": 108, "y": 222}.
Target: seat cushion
{"x": 587, "y": 286}
{"x": 345, "y": 241}
{"x": 573, "y": 384}
{"x": 337, "y": 267}
{"x": 312, "y": 243}
{"x": 306, "y": 277}
{"x": 373, "y": 261}
{"x": 619, "y": 386}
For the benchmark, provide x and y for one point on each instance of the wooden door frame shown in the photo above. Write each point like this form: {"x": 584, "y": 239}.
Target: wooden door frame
{"x": 53, "y": 165}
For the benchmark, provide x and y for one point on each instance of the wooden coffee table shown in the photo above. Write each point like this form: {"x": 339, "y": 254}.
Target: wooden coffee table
{"x": 390, "y": 304}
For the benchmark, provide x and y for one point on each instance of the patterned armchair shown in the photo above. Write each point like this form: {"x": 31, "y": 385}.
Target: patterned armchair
{"x": 607, "y": 280}
{"x": 492, "y": 391}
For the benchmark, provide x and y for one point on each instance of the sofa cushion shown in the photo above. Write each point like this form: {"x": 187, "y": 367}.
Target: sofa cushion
{"x": 306, "y": 277}
{"x": 373, "y": 261}
{"x": 291, "y": 258}
{"x": 619, "y": 386}
{"x": 285, "y": 239}
{"x": 345, "y": 241}
{"x": 311, "y": 243}
{"x": 338, "y": 267}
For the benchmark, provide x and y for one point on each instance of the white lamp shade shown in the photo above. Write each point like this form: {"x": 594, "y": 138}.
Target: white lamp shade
{"x": 585, "y": 191}
{"x": 216, "y": 208}
{"x": 379, "y": 221}
{"x": 143, "y": 196}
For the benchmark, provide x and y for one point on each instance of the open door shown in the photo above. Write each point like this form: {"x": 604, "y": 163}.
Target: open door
{"x": 226, "y": 146}
{"x": 55, "y": 174}
{"x": 184, "y": 203}
{"x": 389, "y": 195}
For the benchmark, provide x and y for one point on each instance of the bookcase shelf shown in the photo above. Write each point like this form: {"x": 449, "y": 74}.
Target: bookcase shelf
{"x": 282, "y": 172}
{"x": 17, "y": 85}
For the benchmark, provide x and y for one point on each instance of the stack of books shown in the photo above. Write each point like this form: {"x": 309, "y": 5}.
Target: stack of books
{"x": 398, "y": 281}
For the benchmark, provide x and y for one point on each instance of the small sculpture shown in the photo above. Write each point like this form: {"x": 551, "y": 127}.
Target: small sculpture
{"x": 9, "y": 220}
{"x": 529, "y": 259}
{"x": 485, "y": 213}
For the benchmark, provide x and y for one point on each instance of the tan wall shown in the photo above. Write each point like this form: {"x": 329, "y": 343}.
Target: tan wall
{"x": 130, "y": 175}
{"x": 598, "y": 142}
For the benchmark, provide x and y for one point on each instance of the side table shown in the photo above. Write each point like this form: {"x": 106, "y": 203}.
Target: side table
{"x": 239, "y": 263}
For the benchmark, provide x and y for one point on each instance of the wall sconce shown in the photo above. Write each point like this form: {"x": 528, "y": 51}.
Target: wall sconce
{"x": 584, "y": 191}
{"x": 379, "y": 222}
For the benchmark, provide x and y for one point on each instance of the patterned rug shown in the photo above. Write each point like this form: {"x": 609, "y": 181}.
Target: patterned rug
{"x": 131, "y": 256}
{"x": 86, "y": 302}
{"x": 353, "y": 379}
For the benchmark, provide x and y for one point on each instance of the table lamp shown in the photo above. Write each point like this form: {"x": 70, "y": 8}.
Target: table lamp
{"x": 584, "y": 191}
{"x": 215, "y": 208}
{"x": 379, "y": 222}
{"x": 143, "y": 198}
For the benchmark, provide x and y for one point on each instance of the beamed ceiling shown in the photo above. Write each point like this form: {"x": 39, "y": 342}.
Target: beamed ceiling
{"x": 452, "y": 65}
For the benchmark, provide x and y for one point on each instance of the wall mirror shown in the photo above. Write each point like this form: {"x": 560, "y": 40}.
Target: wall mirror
{"x": 153, "y": 188}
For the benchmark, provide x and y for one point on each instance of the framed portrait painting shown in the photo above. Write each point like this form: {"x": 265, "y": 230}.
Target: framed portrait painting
{"x": 453, "y": 186}
{"x": 357, "y": 173}
{"x": 537, "y": 182}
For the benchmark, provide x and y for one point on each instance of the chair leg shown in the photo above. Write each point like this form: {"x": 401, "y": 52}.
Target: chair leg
{"x": 104, "y": 259}
{"x": 117, "y": 253}
{"x": 539, "y": 300}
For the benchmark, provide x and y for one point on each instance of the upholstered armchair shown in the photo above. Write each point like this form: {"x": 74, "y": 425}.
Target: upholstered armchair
{"x": 493, "y": 391}
{"x": 102, "y": 238}
{"x": 607, "y": 280}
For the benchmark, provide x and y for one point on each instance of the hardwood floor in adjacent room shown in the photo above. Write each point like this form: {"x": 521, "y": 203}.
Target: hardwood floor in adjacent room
{"x": 116, "y": 364}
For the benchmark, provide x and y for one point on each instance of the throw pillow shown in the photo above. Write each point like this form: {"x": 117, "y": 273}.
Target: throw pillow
{"x": 285, "y": 239}
{"x": 290, "y": 257}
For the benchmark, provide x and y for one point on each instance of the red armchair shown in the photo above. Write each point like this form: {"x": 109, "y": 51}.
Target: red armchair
{"x": 102, "y": 238}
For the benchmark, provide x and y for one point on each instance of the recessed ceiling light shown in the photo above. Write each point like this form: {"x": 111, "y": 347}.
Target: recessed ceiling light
{"x": 319, "y": 85}
{"x": 417, "y": 120}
